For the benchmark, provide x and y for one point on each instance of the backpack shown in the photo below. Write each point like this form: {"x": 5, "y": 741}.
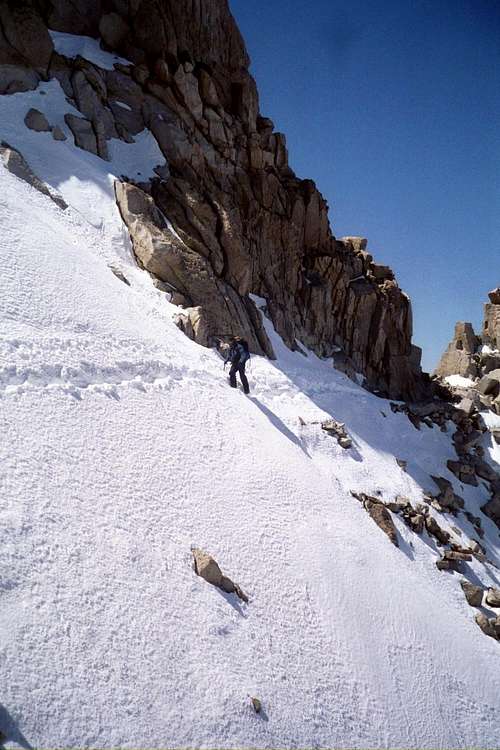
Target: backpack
{"x": 245, "y": 356}
{"x": 239, "y": 352}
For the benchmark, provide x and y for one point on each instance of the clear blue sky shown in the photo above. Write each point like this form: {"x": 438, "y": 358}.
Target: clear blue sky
{"x": 393, "y": 108}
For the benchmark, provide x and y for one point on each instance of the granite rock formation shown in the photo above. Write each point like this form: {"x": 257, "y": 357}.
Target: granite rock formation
{"x": 240, "y": 222}
{"x": 458, "y": 359}
{"x": 476, "y": 357}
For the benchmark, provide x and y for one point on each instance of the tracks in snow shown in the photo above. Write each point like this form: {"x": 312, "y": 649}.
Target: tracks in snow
{"x": 99, "y": 371}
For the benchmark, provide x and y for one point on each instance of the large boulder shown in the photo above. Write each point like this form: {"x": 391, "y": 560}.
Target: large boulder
{"x": 83, "y": 133}
{"x": 90, "y": 94}
{"x": 25, "y": 31}
{"x": 16, "y": 74}
{"x": 36, "y": 120}
{"x": 473, "y": 594}
{"x": 435, "y": 530}
{"x": 493, "y": 598}
{"x": 488, "y": 626}
{"x": 489, "y": 361}
{"x": 489, "y": 385}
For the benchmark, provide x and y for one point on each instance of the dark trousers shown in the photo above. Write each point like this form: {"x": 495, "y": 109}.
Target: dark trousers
{"x": 240, "y": 368}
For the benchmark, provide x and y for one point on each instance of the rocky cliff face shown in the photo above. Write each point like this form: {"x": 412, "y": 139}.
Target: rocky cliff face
{"x": 228, "y": 218}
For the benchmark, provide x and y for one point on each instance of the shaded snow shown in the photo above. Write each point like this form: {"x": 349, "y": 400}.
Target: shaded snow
{"x": 493, "y": 448}
{"x": 126, "y": 447}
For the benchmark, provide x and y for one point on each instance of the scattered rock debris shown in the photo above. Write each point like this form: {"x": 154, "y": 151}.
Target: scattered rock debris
{"x": 338, "y": 430}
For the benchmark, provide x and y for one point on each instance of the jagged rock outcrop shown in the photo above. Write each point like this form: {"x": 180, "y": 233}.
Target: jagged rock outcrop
{"x": 219, "y": 310}
{"x": 491, "y": 324}
{"x": 458, "y": 357}
{"x": 242, "y": 221}
{"x": 477, "y": 357}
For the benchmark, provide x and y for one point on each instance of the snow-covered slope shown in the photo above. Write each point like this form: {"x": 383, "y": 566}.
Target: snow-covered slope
{"x": 123, "y": 447}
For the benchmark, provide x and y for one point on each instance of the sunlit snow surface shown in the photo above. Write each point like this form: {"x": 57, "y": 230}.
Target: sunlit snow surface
{"x": 72, "y": 45}
{"x": 124, "y": 446}
{"x": 459, "y": 381}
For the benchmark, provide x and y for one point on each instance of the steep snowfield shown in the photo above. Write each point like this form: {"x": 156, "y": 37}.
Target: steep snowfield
{"x": 123, "y": 447}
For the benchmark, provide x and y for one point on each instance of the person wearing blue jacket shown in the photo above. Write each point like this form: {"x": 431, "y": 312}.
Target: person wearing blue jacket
{"x": 238, "y": 356}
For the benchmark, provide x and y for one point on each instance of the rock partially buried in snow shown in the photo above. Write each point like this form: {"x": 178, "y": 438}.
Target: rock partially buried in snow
{"x": 488, "y": 626}
{"x": 447, "y": 498}
{"x": 399, "y": 504}
{"x": 464, "y": 471}
{"x": 83, "y": 133}
{"x": 473, "y": 594}
{"x": 58, "y": 134}
{"x": 379, "y": 513}
{"x": 338, "y": 430}
{"x": 207, "y": 568}
{"x": 435, "y": 530}
{"x": 493, "y": 598}
{"x": 36, "y": 120}
{"x": 257, "y": 705}
{"x": 457, "y": 556}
